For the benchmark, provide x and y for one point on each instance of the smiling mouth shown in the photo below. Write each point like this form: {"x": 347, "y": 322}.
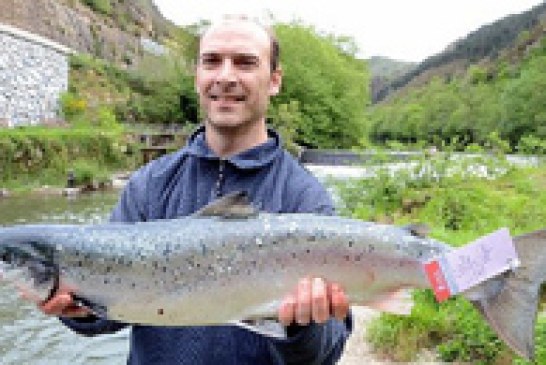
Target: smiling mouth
{"x": 237, "y": 98}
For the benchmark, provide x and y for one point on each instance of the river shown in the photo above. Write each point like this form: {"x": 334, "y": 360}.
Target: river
{"x": 29, "y": 337}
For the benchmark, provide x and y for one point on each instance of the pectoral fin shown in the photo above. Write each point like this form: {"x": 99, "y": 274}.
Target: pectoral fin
{"x": 397, "y": 302}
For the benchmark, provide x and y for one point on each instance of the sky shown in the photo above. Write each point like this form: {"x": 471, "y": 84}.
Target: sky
{"x": 406, "y": 30}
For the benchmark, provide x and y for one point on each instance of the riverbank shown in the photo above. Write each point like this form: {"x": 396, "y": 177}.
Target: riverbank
{"x": 359, "y": 351}
{"x": 36, "y": 158}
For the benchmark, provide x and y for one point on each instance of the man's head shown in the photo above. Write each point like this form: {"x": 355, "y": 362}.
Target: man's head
{"x": 237, "y": 72}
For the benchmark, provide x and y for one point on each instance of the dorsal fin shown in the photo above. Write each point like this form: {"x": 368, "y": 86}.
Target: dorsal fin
{"x": 417, "y": 229}
{"x": 233, "y": 205}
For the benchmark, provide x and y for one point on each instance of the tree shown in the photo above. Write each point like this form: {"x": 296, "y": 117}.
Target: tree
{"x": 328, "y": 83}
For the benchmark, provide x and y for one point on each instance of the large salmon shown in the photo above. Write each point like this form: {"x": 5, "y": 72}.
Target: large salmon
{"x": 227, "y": 263}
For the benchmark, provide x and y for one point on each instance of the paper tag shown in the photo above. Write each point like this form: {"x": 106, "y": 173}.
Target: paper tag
{"x": 468, "y": 266}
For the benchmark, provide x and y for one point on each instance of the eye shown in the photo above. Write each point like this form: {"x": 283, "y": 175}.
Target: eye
{"x": 246, "y": 62}
{"x": 210, "y": 61}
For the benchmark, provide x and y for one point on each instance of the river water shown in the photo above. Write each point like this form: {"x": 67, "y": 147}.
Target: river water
{"x": 26, "y": 335}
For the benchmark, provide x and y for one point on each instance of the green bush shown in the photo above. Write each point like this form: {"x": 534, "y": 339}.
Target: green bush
{"x": 532, "y": 145}
{"x": 101, "y": 6}
{"x": 72, "y": 106}
{"x": 36, "y": 153}
{"x": 87, "y": 172}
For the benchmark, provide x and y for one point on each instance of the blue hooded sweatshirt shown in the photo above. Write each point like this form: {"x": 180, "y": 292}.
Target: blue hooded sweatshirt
{"x": 177, "y": 185}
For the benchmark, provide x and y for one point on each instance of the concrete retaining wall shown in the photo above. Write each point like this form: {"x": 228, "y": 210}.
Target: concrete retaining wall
{"x": 33, "y": 74}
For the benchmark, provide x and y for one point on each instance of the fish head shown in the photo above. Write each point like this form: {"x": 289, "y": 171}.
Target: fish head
{"x": 28, "y": 263}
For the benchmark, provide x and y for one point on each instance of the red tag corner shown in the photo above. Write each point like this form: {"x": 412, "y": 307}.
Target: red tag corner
{"x": 437, "y": 280}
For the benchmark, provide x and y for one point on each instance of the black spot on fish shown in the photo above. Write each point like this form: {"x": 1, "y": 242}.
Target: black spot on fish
{"x": 106, "y": 281}
{"x": 351, "y": 243}
{"x": 80, "y": 263}
{"x": 358, "y": 257}
{"x": 312, "y": 238}
{"x": 164, "y": 268}
{"x": 294, "y": 255}
{"x": 371, "y": 248}
{"x": 133, "y": 285}
{"x": 347, "y": 258}
{"x": 308, "y": 251}
{"x": 108, "y": 269}
{"x": 160, "y": 311}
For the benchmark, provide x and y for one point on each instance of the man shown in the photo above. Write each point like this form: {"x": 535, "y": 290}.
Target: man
{"x": 237, "y": 73}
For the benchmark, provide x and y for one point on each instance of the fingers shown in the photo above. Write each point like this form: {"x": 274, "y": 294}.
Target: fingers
{"x": 62, "y": 305}
{"x": 314, "y": 300}
{"x": 339, "y": 302}
{"x": 303, "y": 303}
{"x": 287, "y": 310}
{"x": 320, "y": 306}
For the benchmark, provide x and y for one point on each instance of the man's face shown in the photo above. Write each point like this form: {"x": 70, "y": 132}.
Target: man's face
{"x": 233, "y": 77}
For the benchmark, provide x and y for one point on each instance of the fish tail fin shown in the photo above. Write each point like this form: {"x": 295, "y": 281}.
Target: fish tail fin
{"x": 512, "y": 311}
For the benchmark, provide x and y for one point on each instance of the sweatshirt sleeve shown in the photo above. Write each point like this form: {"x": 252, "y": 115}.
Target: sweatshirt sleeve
{"x": 130, "y": 208}
{"x": 315, "y": 344}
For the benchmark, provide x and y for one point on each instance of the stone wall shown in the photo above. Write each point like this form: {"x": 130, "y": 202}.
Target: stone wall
{"x": 33, "y": 74}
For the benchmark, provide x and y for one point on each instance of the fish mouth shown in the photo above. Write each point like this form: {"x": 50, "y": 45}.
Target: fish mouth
{"x": 30, "y": 267}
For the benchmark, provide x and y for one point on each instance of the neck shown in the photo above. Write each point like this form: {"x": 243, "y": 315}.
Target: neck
{"x": 229, "y": 141}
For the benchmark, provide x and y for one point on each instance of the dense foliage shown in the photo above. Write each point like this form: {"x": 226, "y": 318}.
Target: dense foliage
{"x": 507, "y": 99}
{"x": 324, "y": 85}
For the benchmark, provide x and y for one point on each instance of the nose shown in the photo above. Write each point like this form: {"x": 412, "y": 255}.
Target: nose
{"x": 226, "y": 74}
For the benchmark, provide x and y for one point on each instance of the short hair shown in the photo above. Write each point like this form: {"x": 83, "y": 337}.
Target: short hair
{"x": 275, "y": 49}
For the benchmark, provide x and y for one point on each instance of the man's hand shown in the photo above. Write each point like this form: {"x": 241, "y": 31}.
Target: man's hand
{"x": 314, "y": 300}
{"x": 60, "y": 305}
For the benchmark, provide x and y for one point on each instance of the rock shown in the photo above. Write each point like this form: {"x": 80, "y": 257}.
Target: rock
{"x": 48, "y": 190}
{"x": 71, "y": 191}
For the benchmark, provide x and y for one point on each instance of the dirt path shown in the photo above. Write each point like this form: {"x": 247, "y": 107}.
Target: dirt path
{"x": 359, "y": 352}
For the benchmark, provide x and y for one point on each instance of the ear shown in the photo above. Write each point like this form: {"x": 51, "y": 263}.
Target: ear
{"x": 275, "y": 82}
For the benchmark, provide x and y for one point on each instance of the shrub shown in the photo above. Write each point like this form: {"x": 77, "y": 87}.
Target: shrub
{"x": 101, "y": 6}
